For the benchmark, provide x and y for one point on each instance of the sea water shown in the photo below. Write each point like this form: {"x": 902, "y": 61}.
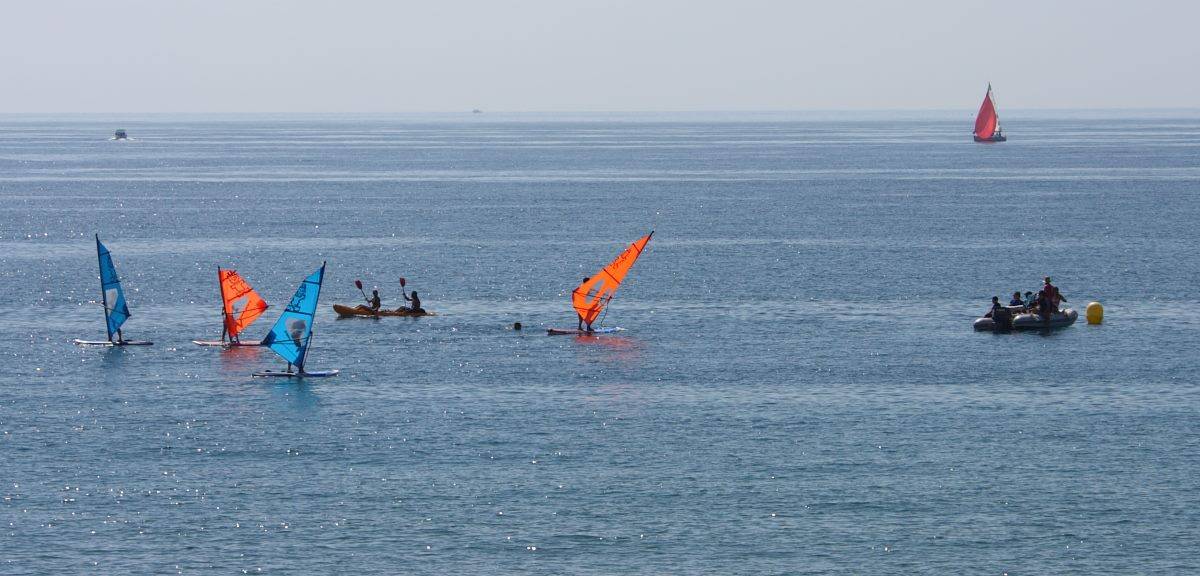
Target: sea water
{"x": 798, "y": 389}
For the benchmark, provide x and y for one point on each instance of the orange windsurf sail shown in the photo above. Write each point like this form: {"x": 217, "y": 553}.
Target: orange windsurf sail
{"x": 596, "y": 292}
{"x": 242, "y": 304}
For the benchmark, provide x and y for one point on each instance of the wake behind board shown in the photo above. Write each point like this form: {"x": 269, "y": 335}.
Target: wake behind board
{"x": 79, "y": 342}
{"x": 313, "y": 374}
{"x": 577, "y": 332}
{"x": 225, "y": 344}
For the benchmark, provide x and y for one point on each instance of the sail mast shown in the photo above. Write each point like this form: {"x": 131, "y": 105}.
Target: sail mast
{"x": 304, "y": 352}
{"x": 224, "y": 316}
{"x": 312, "y": 318}
{"x": 995, "y": 109}
{"x": 103, "y": 292}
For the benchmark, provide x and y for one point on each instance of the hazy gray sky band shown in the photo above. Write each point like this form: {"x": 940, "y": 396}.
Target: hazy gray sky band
{"x": 389, "y": 56}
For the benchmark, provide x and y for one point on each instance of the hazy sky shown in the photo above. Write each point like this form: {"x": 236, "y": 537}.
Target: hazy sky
{"x": 443, "y": 55}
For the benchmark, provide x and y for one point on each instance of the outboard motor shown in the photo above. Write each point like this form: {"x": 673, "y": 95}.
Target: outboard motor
{"x": 1002, "y": 320}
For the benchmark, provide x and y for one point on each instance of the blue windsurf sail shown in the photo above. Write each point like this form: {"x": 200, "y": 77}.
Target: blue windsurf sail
{"x": 291, "y": 334}
{"x": 115, "y": 310}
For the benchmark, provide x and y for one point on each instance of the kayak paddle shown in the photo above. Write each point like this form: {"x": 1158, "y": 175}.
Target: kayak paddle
{"x": 358, "y": 283}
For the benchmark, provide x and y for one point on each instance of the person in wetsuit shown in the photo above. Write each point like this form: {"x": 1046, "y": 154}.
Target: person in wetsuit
{"x": 1000, "y": 315}
{"x": 991, "y": 313}
{"x": 578, "y": 316}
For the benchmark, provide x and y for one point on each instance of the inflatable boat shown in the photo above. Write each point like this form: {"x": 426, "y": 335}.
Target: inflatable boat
{"x": 1026, "y": 321}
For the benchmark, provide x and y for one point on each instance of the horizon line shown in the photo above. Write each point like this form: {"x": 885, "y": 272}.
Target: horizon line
{"x": 485, "y": 111}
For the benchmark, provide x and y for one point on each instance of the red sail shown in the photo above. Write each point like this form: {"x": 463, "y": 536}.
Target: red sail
{"x": 986, "y": 121}
{"x": 594, "y": 293}
{"x": 242, "y": 304}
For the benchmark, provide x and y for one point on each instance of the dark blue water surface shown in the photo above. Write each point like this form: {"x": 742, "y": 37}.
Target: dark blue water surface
{"x": 799, "y": 390}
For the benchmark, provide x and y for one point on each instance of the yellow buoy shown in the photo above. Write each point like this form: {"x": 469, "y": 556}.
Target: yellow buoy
{"x": 1095, "y": 313}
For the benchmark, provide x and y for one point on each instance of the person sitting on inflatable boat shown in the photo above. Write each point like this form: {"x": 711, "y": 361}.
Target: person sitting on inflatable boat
{"x": 1000, "y": 315}
{"x": 1016, "y": 300}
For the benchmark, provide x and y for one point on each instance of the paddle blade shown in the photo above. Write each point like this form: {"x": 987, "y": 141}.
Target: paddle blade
{"x": 401, "y": 281}
{"x": 358, "y": 284}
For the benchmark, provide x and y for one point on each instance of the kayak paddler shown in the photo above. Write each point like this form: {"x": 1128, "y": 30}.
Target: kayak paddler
{"x": 414, "y": 305}
{"x": 373, "y": 302}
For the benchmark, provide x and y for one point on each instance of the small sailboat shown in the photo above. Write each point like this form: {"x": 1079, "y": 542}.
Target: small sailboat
{"x": 241, "y": 307}
{"x": 592, "y": 296}
{"x": 987, "y": 122}
{"x": 116, "y": 312}
{"x": 291, "y": 336}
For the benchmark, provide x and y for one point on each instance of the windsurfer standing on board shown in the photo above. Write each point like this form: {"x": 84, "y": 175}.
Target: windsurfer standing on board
{"x": 579, "y": 316}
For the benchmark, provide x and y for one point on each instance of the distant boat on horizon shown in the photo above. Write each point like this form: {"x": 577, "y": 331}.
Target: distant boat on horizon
{"x": 120, "y": 135}
{"x": 987, "y": 122}
{"x": 477, "y": 111}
